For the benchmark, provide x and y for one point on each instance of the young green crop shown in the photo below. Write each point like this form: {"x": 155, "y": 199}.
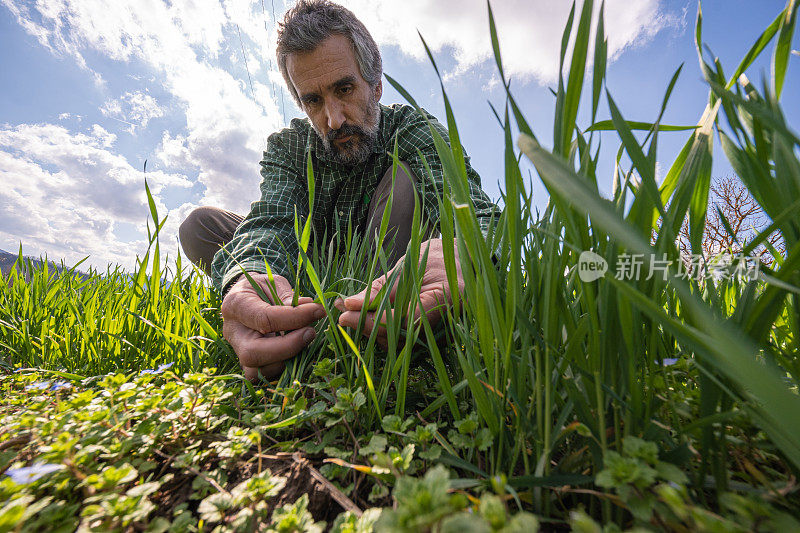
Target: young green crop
{"x": 542, "y": 378}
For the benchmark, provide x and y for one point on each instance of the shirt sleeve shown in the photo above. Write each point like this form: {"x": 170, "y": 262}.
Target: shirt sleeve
{"x": 267, "y": 233}
{"x": 415, "y": 134}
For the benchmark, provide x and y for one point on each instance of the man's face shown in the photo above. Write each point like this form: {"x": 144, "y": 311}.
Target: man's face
{"x": 342, "y": 106}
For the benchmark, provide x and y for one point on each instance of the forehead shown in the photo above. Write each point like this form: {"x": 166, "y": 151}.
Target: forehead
{"x": 329, "y": 62}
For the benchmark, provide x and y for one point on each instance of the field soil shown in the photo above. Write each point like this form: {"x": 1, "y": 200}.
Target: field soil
{"x": 325, "y": 501}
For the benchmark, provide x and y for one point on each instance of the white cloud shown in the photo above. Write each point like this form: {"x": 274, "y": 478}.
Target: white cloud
{"x": 64, "y": 193}
{"x": 173, "y": 152}
{"x": 133, "y": 108}
{"x": 183, "y": 43}
{"x": 67, "y": 116}
{"x": 72, "y": 188}
{"x": 103, "y": 137}
{"x": 529, "y": 31}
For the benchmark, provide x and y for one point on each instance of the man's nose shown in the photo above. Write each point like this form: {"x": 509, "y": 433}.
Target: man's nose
{"x": 335, "y": 115}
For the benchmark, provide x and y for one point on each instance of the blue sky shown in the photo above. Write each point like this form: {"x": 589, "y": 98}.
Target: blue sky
{"x": 92, "y": 88}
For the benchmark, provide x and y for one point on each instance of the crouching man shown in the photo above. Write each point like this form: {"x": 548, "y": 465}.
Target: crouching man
{"x": 332, "y": 68}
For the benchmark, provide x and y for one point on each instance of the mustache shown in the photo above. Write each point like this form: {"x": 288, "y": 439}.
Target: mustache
{"x": 344, "y": 131}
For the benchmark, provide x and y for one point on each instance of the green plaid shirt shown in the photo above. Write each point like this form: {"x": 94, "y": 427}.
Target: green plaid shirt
{"x": 342, "y": 193}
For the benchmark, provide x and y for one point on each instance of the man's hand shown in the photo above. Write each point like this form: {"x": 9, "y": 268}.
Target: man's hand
{"x": 434, "y": 292}
{"x": 252, "y": 326}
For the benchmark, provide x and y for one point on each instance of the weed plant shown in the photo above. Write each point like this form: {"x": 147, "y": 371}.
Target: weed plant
{"x": 658, "y": 401}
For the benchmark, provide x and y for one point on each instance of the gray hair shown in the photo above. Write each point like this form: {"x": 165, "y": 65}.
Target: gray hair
{"x": 310, "y": 22}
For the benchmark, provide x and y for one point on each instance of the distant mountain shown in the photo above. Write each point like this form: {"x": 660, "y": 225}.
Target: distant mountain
{"x": 7, "y": 260}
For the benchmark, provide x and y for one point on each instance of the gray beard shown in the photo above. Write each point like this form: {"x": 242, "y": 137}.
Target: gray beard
{"x": 355, "y": 151}
{"x": 358, "y": 149}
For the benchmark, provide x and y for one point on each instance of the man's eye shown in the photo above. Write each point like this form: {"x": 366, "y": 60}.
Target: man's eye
{"x": 346, "y": 89}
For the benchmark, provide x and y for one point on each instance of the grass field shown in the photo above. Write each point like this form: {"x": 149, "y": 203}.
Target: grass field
{"x": 665, "y": 402}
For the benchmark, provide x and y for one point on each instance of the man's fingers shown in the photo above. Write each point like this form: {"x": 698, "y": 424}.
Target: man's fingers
{"x": 357, "y": 301}
{"x": 257, "y": 351}
{"x": 433, "y": 302}
{"x": 300, "y": 300}
{"x": 269, "y": 372}
{"x": 350, "y": 319}
{"x": 265, "y": 318}
{"x": 281, "y": 286}
{"x": 370, "y": 294}
{"x": 338, "y": 303}
{"x": 251, "y": 324}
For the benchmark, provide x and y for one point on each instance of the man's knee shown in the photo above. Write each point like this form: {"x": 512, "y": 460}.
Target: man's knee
{"x": 190, "y": 229}
{"x": 402, "y": 190}
{"x": 403, "y": 185}
{"x": 205, "y": 231}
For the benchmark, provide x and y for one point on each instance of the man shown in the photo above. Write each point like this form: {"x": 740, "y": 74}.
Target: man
{"x": 332, "y": 68}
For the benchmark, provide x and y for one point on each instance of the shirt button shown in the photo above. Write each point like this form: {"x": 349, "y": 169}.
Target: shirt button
{"x": 341, "y": 213}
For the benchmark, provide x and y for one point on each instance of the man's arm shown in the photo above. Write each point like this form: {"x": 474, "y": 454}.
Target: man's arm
{"x": 267, "y": 232}
{"x": 435, "y": 291}
{"x": 415, "y": 134}
{"x": 253, "y": 327}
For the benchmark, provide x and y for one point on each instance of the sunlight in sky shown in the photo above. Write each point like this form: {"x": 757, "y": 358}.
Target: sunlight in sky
{"x": 94, "y": 88}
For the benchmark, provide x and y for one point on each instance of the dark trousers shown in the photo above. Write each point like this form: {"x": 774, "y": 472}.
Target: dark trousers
{"x": 207, "y": 229}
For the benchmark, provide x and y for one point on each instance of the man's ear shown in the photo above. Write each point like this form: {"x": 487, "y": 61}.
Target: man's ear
{"x": 379, "y": 90}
